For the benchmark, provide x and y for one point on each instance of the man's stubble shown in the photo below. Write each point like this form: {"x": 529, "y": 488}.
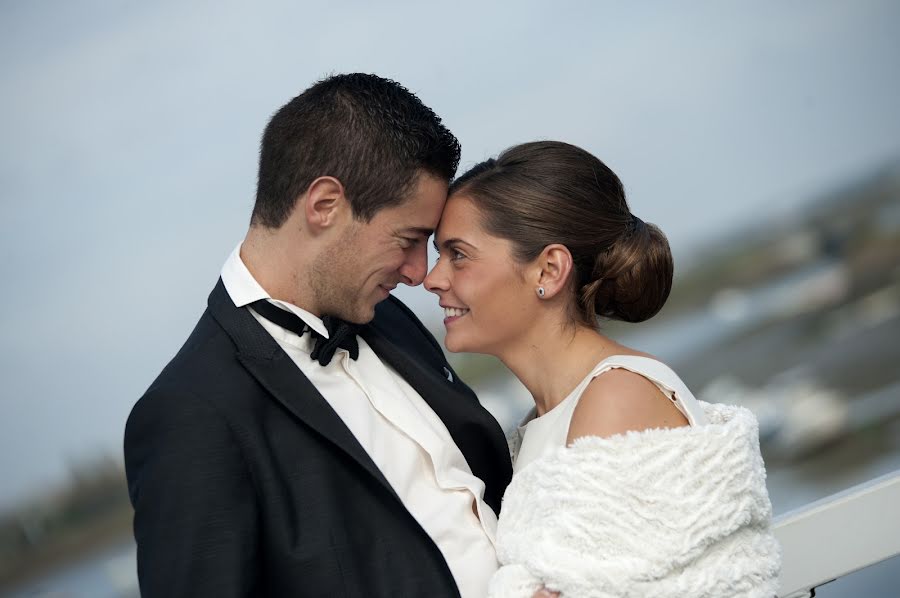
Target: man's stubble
{"x": 337, "y": 278}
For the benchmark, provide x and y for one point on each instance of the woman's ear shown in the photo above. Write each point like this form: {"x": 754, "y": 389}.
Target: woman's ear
{"x": 325, "y": 203}
{"x": 555, "y": 265}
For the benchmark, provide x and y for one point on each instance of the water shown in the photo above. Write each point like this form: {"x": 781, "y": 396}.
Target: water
{"x": 731, "y": 312}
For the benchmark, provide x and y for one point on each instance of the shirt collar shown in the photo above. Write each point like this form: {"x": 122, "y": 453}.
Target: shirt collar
{"x": 244, "y": 289}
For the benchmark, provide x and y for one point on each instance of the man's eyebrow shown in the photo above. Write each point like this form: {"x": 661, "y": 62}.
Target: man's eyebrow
{"x": 419, "y": 230}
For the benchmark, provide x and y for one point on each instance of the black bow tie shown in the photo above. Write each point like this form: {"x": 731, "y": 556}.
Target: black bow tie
{"x": 341, "y": 334}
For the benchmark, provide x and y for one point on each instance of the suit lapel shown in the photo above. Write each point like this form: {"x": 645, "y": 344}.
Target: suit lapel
{"x": 424, "y": 375}
{"x": 273, "y": 368}
{"x": 474, "y": 431}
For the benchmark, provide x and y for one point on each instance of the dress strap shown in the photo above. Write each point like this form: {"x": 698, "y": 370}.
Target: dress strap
{"x": 661, "y": 375}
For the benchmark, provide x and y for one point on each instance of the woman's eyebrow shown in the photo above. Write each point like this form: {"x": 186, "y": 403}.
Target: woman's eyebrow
{"x": 447, "y": 243}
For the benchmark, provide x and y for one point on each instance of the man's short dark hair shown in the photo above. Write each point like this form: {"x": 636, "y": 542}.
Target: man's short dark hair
{"x": 370, "y": 133}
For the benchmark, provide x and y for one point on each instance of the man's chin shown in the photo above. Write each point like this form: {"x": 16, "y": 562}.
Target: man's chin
{"x": 361, "y": 316}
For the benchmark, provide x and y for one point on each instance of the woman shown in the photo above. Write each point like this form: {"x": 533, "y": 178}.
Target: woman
{"x": 625, "y": 484}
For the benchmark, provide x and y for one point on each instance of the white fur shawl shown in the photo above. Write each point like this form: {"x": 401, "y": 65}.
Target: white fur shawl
{"x": 680, "y": 513}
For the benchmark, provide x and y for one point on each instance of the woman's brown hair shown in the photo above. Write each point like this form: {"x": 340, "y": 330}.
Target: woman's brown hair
{"x": 544, "y": 192}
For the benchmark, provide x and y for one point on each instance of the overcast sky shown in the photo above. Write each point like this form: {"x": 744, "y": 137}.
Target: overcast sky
{"x": 130, "y": 135}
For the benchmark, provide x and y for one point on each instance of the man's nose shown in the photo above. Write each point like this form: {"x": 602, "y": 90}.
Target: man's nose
{"x": 415, "y": 266}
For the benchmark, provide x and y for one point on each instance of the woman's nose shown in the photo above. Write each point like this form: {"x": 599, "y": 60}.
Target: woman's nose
{"x": 436, "y": 281}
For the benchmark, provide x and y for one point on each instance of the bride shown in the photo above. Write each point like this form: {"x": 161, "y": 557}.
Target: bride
{"x": 624, "y": 484}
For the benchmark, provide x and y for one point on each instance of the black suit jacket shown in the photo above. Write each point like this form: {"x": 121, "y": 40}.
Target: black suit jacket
{"x": 245, "y": 482}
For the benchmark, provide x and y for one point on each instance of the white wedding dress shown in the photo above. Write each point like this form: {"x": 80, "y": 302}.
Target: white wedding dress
{"x": 551, "y": 429}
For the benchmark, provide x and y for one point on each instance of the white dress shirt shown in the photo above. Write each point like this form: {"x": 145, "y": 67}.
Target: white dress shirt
{"x": 400, "y": 432}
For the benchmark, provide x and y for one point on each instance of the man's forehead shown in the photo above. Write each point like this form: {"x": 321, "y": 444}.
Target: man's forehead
{"x": 420, "y": 213}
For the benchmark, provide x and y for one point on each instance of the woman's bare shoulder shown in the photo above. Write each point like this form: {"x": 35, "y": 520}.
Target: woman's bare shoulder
{"x": 619, "y": 401}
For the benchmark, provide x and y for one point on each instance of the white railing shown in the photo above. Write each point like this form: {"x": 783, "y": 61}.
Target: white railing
{"x": 839, "y": 534}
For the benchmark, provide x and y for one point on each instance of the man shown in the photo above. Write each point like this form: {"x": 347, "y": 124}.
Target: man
{"x": 280, "y": 454}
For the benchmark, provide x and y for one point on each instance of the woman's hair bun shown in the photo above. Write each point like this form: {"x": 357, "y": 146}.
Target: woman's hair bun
{"x": 632, "y": 279}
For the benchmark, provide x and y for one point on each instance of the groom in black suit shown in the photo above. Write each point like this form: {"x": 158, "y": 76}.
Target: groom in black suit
{"x": 309, "y": 438}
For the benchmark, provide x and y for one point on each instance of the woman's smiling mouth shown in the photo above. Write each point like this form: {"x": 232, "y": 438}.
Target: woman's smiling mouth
{"x": 451, "y": 313}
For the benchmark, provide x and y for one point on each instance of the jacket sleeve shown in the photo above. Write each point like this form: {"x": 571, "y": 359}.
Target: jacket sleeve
{"x": 195, "y": 511}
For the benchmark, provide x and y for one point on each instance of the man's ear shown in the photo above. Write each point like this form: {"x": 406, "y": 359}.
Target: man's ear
{"x": 554, "y": 269}
{"x": 325, "y": 205}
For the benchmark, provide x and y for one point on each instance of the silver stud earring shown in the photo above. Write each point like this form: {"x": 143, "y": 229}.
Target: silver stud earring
{"x": 540, "y": 292}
